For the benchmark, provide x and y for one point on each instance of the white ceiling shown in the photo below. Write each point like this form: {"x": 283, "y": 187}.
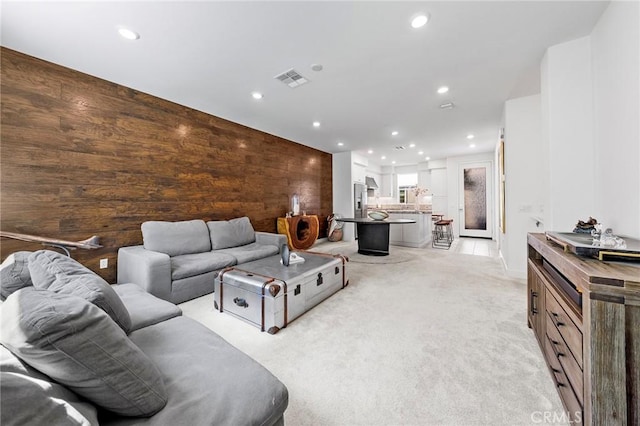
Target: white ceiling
{"x": 379, "y": 73}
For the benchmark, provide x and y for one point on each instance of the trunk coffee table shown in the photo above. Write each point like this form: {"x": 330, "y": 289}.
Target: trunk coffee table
{"x": 269, "y": 295}
{"x": 373, "y": 235}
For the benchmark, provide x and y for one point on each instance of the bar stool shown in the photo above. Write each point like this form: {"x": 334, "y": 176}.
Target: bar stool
{"x": 442, "y": 235}
{"x": 436, "y": 217}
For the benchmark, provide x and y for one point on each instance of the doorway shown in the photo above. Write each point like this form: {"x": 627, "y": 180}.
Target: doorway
{"x": 476, "y": 189}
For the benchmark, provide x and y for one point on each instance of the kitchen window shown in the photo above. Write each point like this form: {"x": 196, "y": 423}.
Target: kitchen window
{"x": 406, "y": 182}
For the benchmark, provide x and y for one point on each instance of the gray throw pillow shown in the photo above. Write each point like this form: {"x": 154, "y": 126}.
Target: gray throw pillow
{"x": 176, "y": 238}
{"x": 14, "y": 273}
{"x": 61, "y": 274}
{"x": 76, "y": 344}
{"x": 231, "y": 233}
{"x": 31, "y": 398}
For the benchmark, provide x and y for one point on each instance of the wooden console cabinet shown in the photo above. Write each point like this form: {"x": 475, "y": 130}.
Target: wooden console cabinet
{"x": 585, "y": 314}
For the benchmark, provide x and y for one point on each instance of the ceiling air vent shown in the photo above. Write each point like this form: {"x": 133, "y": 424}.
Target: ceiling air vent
{"x": 291, "y": 78}
{"x": 400, "y": 147}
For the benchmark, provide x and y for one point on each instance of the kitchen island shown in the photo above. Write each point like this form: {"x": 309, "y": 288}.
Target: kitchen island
{"x": 415, "y": 234}
{"x": 373, "y": 235}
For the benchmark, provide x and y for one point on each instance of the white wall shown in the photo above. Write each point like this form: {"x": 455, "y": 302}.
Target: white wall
{"x": 588, "y": 162}
{"x": 343, "y": 191}
{"x": 615, "y": 47}
{"x": 524, "y": 191}
{"x": 568, "y": 123}
{"x": 439, "y": 187}
{"x": 590, "y": 113}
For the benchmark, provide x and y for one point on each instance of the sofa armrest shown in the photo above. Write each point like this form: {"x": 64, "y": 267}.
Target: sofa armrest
{"x": 144, "y": 308}
{"x": 268, "y": 238}
{"x": 151, "y": 270}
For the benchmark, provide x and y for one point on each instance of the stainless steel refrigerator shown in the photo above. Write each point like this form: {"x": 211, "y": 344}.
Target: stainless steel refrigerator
{"x": 360, "y": 201}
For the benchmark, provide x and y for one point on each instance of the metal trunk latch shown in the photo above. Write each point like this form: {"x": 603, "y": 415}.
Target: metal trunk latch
{"x": 241, "y": 302}
{"x": 320, "y": 279}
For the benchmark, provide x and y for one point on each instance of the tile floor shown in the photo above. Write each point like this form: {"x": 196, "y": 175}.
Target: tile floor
{"x": 475, "y": 246}
{"x": 460, "y": 245}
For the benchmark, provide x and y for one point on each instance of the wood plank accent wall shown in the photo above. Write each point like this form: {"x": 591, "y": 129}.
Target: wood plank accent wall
{"x": 82, "y": 156}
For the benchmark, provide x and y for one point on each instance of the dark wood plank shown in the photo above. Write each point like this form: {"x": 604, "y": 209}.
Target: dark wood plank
{"x": 83, "y": 156}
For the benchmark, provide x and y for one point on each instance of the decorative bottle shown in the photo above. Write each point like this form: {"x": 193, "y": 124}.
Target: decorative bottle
{"x": 295, "y": 204}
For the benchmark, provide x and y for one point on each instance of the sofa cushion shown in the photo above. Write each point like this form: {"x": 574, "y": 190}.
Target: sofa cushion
{"x": 221, "y": 386}
{"x": 189, "y": 265}
{"x": 78, "y": 345}
{"x": 176, "y": 238}
{"x": 32, "y": 398}
{"x": 249, "y": 252}
{"x": 144, "y": 308}
{"x": 14, "y": 273}
{"x": 56, "y": 272}
{"x": 231, "y": 233}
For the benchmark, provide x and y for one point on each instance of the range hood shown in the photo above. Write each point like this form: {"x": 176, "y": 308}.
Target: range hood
{"x": 370, "y": 182}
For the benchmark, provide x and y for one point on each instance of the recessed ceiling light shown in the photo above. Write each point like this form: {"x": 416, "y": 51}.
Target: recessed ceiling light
{"x": 128, "y": 34}
{"x": 394, "y": 133}
{"x": 420, "y": 152}
{"x": 447, "y": 105}
{"x": 419, "y": 21}
{"x": 316, "y": 124}
{"x": 257, "y": 95}
{"x": 393, "y": 162}
{"x": 412, "y": 145}
{"x": 473, "y": 145}
{"x": 340, "y": 144}
{"x": 427, "y": 158}
{"x": 370, "y": 151}
{"x": 470, "y": 136}
{"x": 443, "y": 89}
{"x": 383, "y": 158}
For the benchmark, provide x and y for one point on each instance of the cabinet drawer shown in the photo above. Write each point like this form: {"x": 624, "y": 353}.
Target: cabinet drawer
{"x": 565, "y": 326}
{"x": 569, "y": 365}
{"x": 565, "y": 390}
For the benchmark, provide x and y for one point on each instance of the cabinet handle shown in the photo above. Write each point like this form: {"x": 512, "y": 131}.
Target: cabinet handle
{"x": 558, "y": 323}
{"x": 534, "y": 308}
{"x": 555, "y": 342}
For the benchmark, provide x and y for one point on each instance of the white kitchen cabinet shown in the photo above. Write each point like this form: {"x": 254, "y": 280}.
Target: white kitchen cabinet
{"x": 412, "y": 234}
{"x": 358, "y": 172}
{"x": 395, "y": 231}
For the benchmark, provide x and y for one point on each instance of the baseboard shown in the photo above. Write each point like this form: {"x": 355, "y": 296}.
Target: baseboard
{"x": 512, "y": 273}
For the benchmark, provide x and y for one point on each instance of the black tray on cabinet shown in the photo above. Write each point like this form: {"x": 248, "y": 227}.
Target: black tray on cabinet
{"x": 564, "y": 284}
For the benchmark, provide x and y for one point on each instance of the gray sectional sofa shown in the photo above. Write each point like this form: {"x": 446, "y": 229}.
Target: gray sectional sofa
{"x": 77, "y": 351}
{"x": 179, "y": 261}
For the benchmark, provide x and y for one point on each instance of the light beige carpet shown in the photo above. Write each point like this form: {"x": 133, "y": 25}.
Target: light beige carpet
{"x": 440, "y": 339}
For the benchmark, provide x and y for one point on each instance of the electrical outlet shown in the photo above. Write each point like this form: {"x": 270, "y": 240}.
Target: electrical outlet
{"x": 104, "y": 263}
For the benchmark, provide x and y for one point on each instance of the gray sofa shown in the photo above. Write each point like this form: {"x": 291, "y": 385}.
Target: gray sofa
{"x": 179, "y": 261}
{"x": 77, "y": 351}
